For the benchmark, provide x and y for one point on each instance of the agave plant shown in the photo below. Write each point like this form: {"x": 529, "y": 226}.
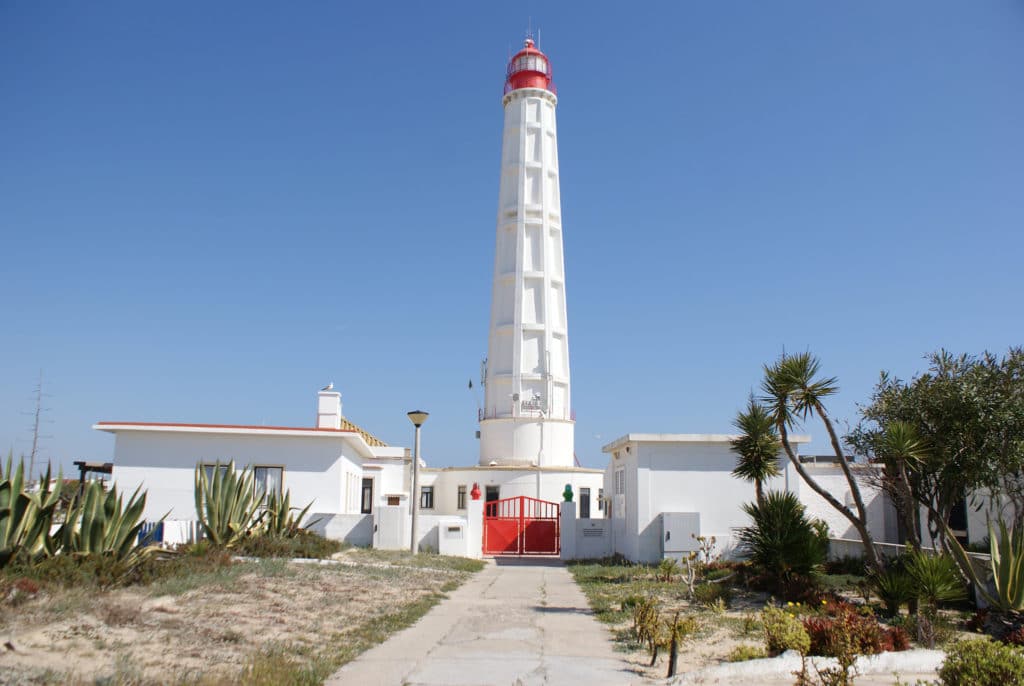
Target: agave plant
{"x": 25, "y": 517}
{"x": 227, "y": 506}
{"x": 100, "y": 523}
{"x": 280, "y": 520}
{"x": 1007, "y": 565}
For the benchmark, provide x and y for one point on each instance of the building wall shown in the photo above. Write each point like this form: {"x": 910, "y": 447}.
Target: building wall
{"x": 321, "y": 470}
{"x": 390, "y": 478}
{"x": 881, "y": 515}
{"x": 623, "y": 505}
{"x": 690, "y": 477}
{"x": 696, "y": 476}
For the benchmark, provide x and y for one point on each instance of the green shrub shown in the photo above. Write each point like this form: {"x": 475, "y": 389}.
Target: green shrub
{"x": 847, "y": 564}
{"x": 847, "y": 632}
{"x": 300, "y": 543}
{"x": 718, "y": 573}
{"x": 647, "y": 626}
{"x": 667, "y": 568}
{"x": 66, "y": 571}
{"x": 783, "y": 631}
{"x": 709, "y": 594}
{"x": 782, "y": 542}
{"x": 894, "y": 587}
{"x": 106, "y": 571}
{"x": 936, "y": 578}
{"x": 631, "y": 601}
{"x": 742, "y": 653}
{"x": 972, "y": 663}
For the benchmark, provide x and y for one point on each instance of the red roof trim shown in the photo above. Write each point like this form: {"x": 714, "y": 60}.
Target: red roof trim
{"x": 227, "y": 426}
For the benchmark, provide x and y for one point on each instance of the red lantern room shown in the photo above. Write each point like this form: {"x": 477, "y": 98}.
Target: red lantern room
{"x": 529, "y": 68}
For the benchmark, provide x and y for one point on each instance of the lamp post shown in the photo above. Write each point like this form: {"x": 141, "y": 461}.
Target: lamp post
{"x": 417, "y": 417}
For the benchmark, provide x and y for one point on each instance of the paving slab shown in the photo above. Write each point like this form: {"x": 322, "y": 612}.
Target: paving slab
{"x": 519, "y": 622}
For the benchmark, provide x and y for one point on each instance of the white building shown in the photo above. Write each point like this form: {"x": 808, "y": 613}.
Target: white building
{"x": 676, "y": 486}
{"x": 338, "y": 467}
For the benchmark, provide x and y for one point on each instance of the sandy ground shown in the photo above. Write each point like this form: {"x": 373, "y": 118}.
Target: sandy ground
{"x": 166, "y": 633}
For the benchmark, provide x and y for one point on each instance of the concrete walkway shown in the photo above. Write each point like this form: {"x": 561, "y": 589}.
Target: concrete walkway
{"x": 519, "y": 622}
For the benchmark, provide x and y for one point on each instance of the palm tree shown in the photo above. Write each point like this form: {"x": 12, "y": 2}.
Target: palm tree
{"x": 793, "y": 391}
{"x": 758, "y": 447}
{"x": 903, "y": 450}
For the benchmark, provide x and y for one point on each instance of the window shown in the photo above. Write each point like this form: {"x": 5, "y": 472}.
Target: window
{"x": 492, "y": 493}
{"x": 600, "y": 500}
{"x": 367, "y": 499}
{"x": 426, "y": 497}
{"x": 394, "y": 501}
{"x": 620, "y": 482}
{"x": 584, "y": 503}
{"x": 460, "y": 500}
{"x": 208, "y": 470}
{"x": 267, "y": 481}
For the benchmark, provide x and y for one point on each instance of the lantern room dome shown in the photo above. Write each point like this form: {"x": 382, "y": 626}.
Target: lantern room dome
{"x": 529, "y": 68}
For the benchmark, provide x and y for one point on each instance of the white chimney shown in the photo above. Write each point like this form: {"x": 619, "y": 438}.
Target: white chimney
{"x": 328, "y": 409}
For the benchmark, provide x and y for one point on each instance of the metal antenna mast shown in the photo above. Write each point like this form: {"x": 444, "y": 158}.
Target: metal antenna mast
{"x": 37, "y": 420}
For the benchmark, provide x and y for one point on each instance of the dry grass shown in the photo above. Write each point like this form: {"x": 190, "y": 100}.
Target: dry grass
{"x": 254, "y": 622}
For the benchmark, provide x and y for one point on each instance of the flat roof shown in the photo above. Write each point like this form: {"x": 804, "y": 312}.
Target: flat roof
{"x": 685, "y": 438}
{"x": 352, "y": 435}
{"x": 113, "y": 427}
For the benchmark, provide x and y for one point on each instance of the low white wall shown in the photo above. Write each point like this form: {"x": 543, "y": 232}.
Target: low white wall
{"x": 584, "y": 539}
{"x": 428, "y": 532}
{"x": 593, "y": 539}
{"x": 355, "y": 529}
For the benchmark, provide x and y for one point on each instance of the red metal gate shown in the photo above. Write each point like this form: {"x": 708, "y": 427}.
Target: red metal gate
{"x": 521, "y": 526}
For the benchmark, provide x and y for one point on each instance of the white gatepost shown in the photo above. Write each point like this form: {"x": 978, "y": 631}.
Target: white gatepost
{"x": 475, "y": 524}
{"x": 567, "y": 529}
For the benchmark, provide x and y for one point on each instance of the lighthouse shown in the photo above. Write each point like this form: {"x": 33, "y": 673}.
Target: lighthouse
{"x": 527, "y": 417}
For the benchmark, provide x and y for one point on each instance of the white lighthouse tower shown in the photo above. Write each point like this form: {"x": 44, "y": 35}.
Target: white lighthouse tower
{"x": 527, "y": 417}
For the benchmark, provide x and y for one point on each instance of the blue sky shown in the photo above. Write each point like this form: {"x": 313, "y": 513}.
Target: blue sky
{"x": 208, "y": 211}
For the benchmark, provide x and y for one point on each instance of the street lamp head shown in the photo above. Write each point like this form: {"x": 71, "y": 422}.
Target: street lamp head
{"x": 417, "y": 417}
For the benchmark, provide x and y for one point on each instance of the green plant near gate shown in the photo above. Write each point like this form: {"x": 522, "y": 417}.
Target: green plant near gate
{"x": 101, "y": 523}
{"x": 25, "y": 517}
{"x": 227, "y": 505}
